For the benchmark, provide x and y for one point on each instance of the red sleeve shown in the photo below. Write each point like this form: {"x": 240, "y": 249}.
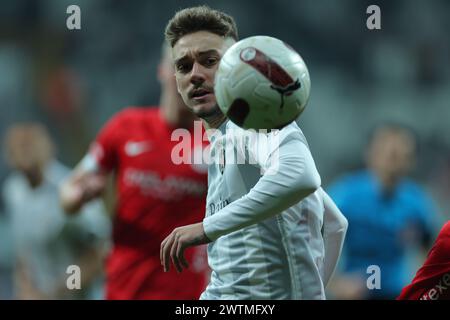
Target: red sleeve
{"x": 105, "y": 147}
{"x": 432, "y": 280}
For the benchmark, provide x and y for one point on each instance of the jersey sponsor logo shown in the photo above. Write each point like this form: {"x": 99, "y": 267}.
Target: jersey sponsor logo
{"x": 439, "y": 289}
{"x": 215, "y": 207}
{"x": 134, "y": 149}
{"x": 167, "y": 188}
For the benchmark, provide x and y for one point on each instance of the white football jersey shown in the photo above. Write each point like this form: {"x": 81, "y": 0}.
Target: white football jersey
{"x": 264, "y": 215}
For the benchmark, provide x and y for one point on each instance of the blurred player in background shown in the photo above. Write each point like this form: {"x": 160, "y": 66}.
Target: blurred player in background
{"x": 387, "y": 213}
{"x": 265, "y": 230}
{"x": 432, "y": 280}
{"x": 153, "y": 195}
{"x": 46, "y": 240}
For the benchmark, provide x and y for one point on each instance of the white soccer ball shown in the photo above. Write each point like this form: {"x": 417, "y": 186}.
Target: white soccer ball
{"x": 262, "y": 83}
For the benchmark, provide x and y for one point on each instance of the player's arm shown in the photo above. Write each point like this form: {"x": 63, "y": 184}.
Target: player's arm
{"x": 293, "y": 176}
{"x": 85, "y": 184}
{"x": 334, "y": 230}
{"x": 434, "y": 272}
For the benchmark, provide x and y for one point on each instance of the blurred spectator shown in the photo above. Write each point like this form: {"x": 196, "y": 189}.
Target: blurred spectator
{"x": 154, "y": 195}
{"x": 387, "y": 214}
{"x": 46, "y": 241}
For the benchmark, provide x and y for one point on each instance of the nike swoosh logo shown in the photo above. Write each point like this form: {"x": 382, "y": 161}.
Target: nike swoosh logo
{"x": 133, "y": 149}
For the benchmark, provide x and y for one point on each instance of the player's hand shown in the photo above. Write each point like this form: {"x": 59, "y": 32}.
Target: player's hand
{"x": 80, "y": 189}
{"x": 93, "y": 186}
{"x": 173, "y": 246}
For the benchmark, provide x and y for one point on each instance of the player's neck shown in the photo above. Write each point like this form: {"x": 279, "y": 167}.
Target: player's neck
{"x": 214, "y": 124}
{"x": 214, "y": 119}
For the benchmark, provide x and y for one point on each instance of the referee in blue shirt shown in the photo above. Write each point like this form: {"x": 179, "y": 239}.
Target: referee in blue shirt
{"x": 387, "y": 214}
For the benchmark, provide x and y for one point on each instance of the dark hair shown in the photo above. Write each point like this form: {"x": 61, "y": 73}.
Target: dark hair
{"x": 201, "y": 18}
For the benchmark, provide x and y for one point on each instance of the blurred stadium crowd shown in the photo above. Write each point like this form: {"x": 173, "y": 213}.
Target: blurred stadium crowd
{"x": 73, "y": 81}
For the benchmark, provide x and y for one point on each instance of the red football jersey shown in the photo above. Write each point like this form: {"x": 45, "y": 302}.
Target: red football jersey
{"x": 432, "y": 281}
{"x": 154, "y": 196}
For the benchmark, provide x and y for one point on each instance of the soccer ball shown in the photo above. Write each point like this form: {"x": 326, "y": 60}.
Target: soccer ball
{"x": 262, "y": 83}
